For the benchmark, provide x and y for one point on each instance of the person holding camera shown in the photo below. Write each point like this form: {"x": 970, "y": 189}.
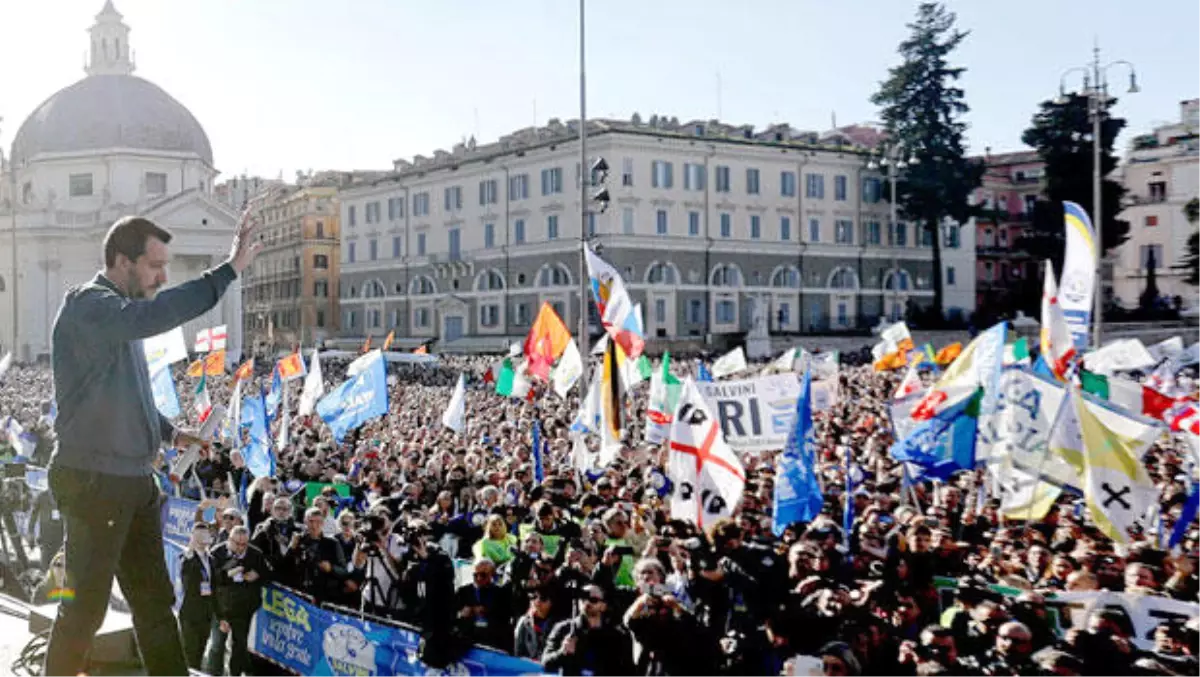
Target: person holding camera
{"x": 376, "y": 563}
{"x": 664, "y": 633}
{"x": 314, "y": 561}
{"x": 590, "y": 643}
{"x": 428, "y": 596}
{"x": 273, "y": 535}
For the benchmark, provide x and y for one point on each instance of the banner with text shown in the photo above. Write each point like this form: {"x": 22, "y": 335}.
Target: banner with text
{"x": 311, "y": 640}
{"x": 755, "y": 414}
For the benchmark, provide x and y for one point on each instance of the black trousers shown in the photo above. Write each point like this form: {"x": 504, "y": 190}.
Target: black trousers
{"x": 195, "y": 631}
{"x": 113, "y": 527}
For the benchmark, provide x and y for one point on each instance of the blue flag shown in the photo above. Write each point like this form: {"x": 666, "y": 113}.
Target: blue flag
{"x": 704, "y": 375}
{"x": 1185, "y": 516}
{"x": 945, "y": 443}
{"x": 356, "y": 401}
{"x": 797, "y": 492}
{"x": 257, "y": 450}
{"x": 853, "y": 479}
{"x": 1042, "y": 369}
{"x": 162, "y": 384}
{"x": 539, "y": 473}
{"x": 274, "y": 395}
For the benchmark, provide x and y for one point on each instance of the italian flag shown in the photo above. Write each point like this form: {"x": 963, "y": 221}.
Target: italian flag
{"x": 203, "y": 403}
{"x": 510, "y": 382}
{"x": 1017, "y": 353}
{"x": 1128, "y": 394}
{"x": 664, "y": 394}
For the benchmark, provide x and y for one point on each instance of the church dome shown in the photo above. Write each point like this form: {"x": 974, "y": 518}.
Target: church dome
{"x": 105, "y": 111}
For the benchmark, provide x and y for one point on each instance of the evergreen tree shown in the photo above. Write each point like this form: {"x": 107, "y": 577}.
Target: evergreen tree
{"x": 922, "y": 107}
{"x": 1191, "y": 259}
{"x": 1061, "y": 133}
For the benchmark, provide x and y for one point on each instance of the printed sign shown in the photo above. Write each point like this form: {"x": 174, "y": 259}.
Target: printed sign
{"x": 755, "y": 414}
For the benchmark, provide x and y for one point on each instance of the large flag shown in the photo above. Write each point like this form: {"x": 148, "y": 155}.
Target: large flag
{"x": 274, "y": 395}
{"x": 203, "y": 403}
{"x": 546, "y": 341}
{"x": 664, "y": 400}
{"x": 1120, "y": 355}
{"x": 5, "y": 363}
{"x": 892, "y": 350}
{"x": 633, "y": 370}
{"x": 1117, "y": 489}
{"x": 945, "y": 443}
{"x": 948, "y": 354}
{"x": 257, "y": 450}
{"x": 166, "y": 348}
{"x": 978, "y": 366}
{"x": 455, "y": 415}
{"x": 568, "y": 370}
{"x": 1023, "y": 495}
{"x": 314, "y": 387}
{"x": 797, "y": 491}
{"x": 612, "y": 399}
{"x": 784, "y": 363}
{"x": 245, "y": 371}
{"x": 291, "y": 367}
{"x": 911, "y": 383}
{"x": 1131, "y": 395}
{"x": 213, "y": 364}
{"x": 285, "y": 422}
{"x": 1079, "y": 273}
{"x": 1058, "y": 347}
{"x": 356, "y": 401}
{"x": 707, "y": 477}
{"x": 166, "y": 399}
{"x": 512, "y": 382}
{"x": 730, "y": 363}
{"x": 617, "y": 313}
{"x": 588, "y": 417}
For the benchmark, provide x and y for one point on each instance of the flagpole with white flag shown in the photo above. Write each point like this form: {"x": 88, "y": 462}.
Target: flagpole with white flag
{"x": 314, "y": 387}
{"x": 456, "y": 411}
{"x": 285, "y": 420}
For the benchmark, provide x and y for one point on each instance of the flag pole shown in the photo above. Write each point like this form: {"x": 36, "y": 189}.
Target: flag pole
{"x": 1068, "y": 392}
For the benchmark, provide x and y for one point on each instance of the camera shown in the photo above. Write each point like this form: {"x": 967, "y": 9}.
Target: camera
{"x": 368, "y": 531}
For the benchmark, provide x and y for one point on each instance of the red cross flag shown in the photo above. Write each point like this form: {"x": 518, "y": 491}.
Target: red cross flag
{"x": 707, "y": 476}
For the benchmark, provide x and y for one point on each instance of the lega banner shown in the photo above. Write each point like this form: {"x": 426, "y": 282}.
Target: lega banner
{"x": 755, "y": 414}
{"x": 311, "y": 640}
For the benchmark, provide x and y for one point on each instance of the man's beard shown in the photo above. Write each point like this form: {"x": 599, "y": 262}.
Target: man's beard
{"x": 137, "y": 291}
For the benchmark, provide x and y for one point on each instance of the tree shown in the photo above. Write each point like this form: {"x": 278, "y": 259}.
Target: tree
{"x": 1149, "y": 297}
{"x": 922, "y": 108}
{"x": 1191, "y": 259}
{"x": 1062, "y": 135}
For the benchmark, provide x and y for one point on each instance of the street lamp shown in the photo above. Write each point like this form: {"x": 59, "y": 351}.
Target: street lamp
{"x": 893, "y": 158}
{"x": 1095, "y": 88}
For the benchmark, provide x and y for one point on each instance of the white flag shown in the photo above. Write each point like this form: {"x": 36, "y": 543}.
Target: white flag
{"x": 782, "y": 364}
{"x": 218, "y": 336}
{"x": 5, "y": 363}
{"x": 456, "y": 411}
{"x": 730, "y": 363}
{"x": 314, "y": 387}
{"x": 1058, "y": 347}
{"x": 166, "y": 348}
{"x": 568, "y": 370}
{"x": 285, "y": 419}
{"x": 708, "y": 477}
{"x": 910, "y": 384}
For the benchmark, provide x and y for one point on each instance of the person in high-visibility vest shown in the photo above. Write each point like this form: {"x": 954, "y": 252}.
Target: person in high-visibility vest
{"x": 497, "y": 544}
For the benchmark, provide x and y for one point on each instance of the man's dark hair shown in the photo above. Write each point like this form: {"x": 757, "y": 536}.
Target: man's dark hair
{"x": 128, "y": 236}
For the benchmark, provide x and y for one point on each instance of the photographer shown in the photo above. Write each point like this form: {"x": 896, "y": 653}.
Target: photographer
{"x": 376, "y": 564}
{"x": 274, "y": 535}
{"x": 664, "y": 633}
{"x": 428, "y": 595}
{"x": 314, "y": 561}
{"x": 589, "y": 644}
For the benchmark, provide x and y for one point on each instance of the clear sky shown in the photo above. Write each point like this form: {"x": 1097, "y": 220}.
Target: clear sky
{"x": 353, "y": 84}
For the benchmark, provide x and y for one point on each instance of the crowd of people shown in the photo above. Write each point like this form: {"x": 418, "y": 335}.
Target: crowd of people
{"x": 589, "y": 573}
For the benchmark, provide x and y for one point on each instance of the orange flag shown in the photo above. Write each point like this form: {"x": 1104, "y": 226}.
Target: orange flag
{"x": 387, "y": 342}
{"x": 213, "y": 364}
{"x": 290, "y": 367}
{"x": 421, "y": 350}
{"x": 547, "y": 339}
{"x": 367, "y": 345}
{"x": 245, "y": 371}
{"x": 948, "y": 354}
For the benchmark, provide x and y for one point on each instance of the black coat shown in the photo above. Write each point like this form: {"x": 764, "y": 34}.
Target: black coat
{"x": 239, "y": 599}
{"x": 196, "y": 605}
{"x": 607, "y": 650}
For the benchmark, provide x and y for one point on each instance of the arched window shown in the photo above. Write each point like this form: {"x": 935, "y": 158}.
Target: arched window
{"x": 890, "y": 283}
{"x": 555, "y": 275}
{"x": 421, "y": 285}
{"x": 662, "y": 273}
{"x": 489, "y": 280}
{"x": 843, "y": 278}
{"x": 374, "y": 289}
{"x": 787, "y": 278}
{"x": 726, "y": 275}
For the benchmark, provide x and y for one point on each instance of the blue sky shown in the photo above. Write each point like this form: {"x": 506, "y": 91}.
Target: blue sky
{"x": 299, "y": 84}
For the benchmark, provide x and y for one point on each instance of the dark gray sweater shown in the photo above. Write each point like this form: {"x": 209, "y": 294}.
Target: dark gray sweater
{"x": 107, "y": 421}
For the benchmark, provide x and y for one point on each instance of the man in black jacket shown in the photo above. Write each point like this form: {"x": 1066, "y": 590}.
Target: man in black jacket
{"x": 198, "y": 611}
{"x": 109, "y": 433}
{"x": 315, "y": 563}
{"x": 273, "y": 535}
{"x": 241, "y": 571}
{"x": 589, "y": 644}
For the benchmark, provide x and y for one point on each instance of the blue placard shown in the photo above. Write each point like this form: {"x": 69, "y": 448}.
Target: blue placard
{"x": 179, "y": 514}
{"x": 311, "y": 640}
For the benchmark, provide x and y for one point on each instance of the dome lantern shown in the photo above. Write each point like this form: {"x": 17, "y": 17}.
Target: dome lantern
{"x": 110, "y": 54}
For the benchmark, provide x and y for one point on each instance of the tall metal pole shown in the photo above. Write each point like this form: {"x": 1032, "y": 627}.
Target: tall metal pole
{"x": 12, "y": 211}
{"x": 1097, "y": 95}
{"x": 585, "y": 180}
{"x": 892, "y": 171}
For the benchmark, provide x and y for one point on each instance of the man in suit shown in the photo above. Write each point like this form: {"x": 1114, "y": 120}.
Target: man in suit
{"x": 241, "y": 571}
{"x": 198, "y": 611}
{"x": 109, "y": 433}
